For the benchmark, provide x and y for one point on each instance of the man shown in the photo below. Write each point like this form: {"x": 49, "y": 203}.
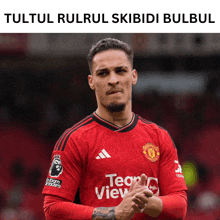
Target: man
{"x": 124, "y": 166}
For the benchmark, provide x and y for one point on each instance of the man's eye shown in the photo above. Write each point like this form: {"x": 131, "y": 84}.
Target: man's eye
{"x": 120, "y": 71}
{"x": 102, "y": 73}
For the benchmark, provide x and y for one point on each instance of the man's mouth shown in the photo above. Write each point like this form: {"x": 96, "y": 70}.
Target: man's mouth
{"x": 113, "y": 92}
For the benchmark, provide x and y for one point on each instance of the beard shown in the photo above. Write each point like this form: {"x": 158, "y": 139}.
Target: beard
{"x": 113, "y": 107}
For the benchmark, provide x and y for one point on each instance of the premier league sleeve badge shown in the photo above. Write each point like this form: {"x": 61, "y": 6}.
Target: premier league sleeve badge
{"x": 56, "y": 167}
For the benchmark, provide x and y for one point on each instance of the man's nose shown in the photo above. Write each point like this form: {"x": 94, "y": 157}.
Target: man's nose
{"x": 113, "y": 78}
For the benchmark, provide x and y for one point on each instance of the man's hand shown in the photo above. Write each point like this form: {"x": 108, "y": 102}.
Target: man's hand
{"x": 152, "y": 206}
{"x": 141, "y": 199}
{"x": 145, "y": 201}
{"x": 127, "y": 208}
{"x": 138, "y": 199}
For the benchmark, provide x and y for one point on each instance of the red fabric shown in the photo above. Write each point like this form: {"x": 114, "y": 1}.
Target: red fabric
{"x": 58, "y": 208}
{"x": 174, "y": 206}
{"x": 140, "y": 147}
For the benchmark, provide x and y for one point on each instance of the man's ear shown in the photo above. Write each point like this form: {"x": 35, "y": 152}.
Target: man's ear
{"x": 90, "y": 81}
{"x": 134, "y": 76}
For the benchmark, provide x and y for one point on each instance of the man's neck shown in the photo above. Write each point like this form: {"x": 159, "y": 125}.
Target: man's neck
{"x": 119, "y": 119}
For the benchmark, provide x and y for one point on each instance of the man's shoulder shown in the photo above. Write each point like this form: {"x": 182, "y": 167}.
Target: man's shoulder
{"x": 151, "y": 127}
{"x": 83, "y": 125}
{"x": 149, "y": 124}
{"x": 75, "y": 133}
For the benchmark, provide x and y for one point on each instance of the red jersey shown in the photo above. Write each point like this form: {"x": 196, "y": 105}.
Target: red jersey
{"x": 100, "y": 159}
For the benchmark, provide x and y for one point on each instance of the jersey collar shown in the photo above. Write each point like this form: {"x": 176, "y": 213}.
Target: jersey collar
{"x": 113, "y": 127}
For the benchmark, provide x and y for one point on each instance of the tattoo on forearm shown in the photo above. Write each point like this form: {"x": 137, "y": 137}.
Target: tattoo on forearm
{"x": 104, "y": 213}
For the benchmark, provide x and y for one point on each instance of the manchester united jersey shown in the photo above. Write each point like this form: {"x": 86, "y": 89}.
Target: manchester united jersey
{"x": 101, "y": 159}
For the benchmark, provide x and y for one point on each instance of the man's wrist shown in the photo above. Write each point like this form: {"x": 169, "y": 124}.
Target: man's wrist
{"x": 154, "y": 207}
{"x": 107, "y": 213}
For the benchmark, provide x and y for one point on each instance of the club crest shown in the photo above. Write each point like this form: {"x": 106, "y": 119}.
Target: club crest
{"x": 151, "y": 152}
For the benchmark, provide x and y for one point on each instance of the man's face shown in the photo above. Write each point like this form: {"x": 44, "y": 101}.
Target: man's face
{"x": 112, "y": 79}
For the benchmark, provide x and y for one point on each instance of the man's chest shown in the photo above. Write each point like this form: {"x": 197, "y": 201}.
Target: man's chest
{"x": 113, "y": 160}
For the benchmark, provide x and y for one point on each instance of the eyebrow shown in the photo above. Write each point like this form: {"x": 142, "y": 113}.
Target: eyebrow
{"x": 116, "y": 68}
{"x": 121, "y": 67}
{"x": 101, "y": 70}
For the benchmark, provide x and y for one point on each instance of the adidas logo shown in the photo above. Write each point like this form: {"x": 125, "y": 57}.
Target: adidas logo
{"x": 103, "y": 154}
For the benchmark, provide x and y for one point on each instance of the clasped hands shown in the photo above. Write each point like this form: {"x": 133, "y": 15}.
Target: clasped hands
{"x": 137, "y": 200}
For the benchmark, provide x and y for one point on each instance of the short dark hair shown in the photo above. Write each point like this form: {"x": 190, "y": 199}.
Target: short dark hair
{"x": 108, "y": 44}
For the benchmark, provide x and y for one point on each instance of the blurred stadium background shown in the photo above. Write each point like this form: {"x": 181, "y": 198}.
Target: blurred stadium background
{"x": 44, "y": 90}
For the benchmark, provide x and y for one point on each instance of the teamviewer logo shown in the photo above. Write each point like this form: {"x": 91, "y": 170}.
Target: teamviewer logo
{"x": 118, "y": 186}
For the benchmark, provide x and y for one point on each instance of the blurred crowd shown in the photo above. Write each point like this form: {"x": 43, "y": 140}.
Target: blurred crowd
{"x": 37, "y": 106}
